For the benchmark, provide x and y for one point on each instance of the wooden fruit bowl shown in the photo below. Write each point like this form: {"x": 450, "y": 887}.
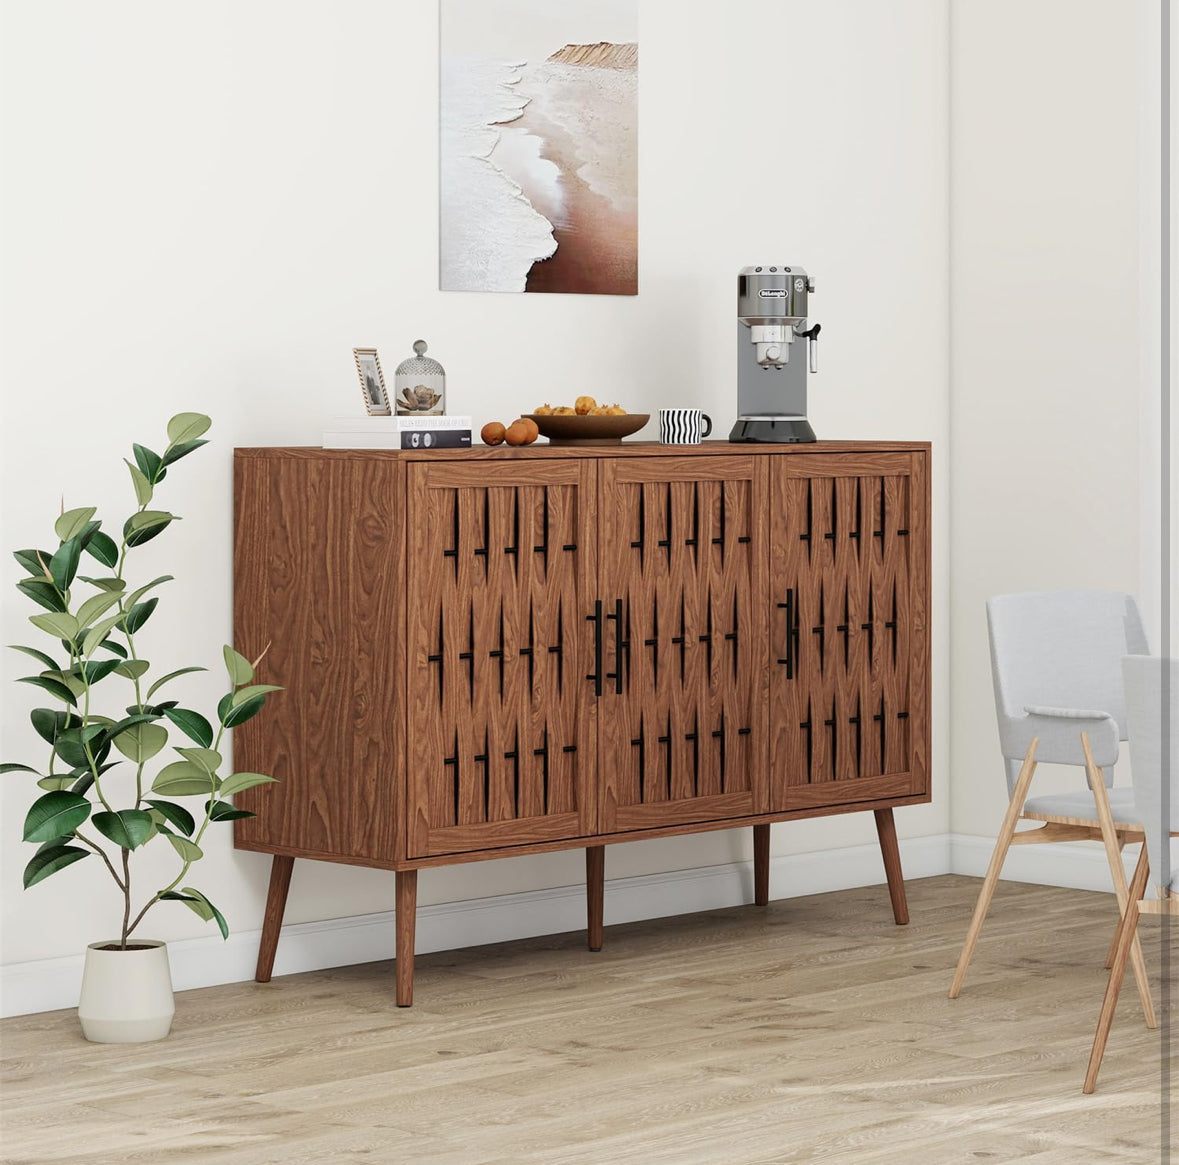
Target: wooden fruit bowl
{"x": 599, "y": 430}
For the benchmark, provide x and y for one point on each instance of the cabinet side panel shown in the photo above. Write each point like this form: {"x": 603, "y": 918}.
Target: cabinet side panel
{"x": 315, "y": 578}
{"x": 922, "y": 584}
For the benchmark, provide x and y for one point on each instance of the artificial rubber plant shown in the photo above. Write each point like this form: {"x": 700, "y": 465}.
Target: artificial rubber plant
{"x": 110, "y": 721}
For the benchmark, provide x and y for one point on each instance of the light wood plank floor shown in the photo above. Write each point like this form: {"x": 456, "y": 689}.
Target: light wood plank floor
{"x": 810, "y": 1030}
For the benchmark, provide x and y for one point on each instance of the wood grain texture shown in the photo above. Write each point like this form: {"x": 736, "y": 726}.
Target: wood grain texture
{"x": 813, "y": 1030}
{"x": 595, "y": 893}
{"x": 886, "y": 832}
{"x": 761, "y": 864}
{"x": 316, "y": 577}
{"x": 405, "y": 918}
{"x": 276, "y": 904}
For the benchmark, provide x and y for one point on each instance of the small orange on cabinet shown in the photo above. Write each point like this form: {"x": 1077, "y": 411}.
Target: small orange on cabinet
{"x": 492, "y": 433}
{"x": 530, "y": 425}
{"x": 516, "y": 434}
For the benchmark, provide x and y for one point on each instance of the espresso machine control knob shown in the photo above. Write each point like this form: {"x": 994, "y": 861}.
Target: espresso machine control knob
{"x": 773, "y": 353}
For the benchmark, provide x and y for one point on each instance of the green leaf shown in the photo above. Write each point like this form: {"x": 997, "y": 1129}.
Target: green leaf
{"x": 136, "y": 595}
{"x": 71, "y": 745}
{"x": 231, "y": 716}
{"x": 52, "y": 686}
{"x": 188, "y": 850}
{"x": 239, "y": 782}
{"x": 202, "y": 906}
{"x": 184, "y": 427}
{"x": 42, "y": 592}
{"x": 204, "y": 758}
{"x": 134, "y": 716}
{"x": 138, "y": 615}
{"x": 141, "y": 742}
{"x": 192, "y": 724}
{"x": 102, "y": 546}
{"x": 55, "y": 782}
{"x": 46, "y": 862}
{"x": 10, "y": 767}
{"x": 182, "y": 450}
{"x": 96, "y": 669}
{"x": 182, "y": 779}
{"x": 40, "y": 656}
{"x": 254, "y": 690}
{"x": 128, "y": 828}
{"x": 59, "y": 623}
{"x": 98, "y": 633}
{"x": 143, "y": 487}
{"x": 238, "y": 667}
{"x": 55, "y": 814}
{"x": 104, "y": 584}
{"x": 73, "y": 522}
{"x": 176, "y": 814}
{"x": 95, "y": 606}
{"x": 149, "y": 463}
{"x": 50, "y": 724}
{"x": 145, "y": 525}
{"x": 132, "y": 668}
{"x": 170, "y": 676}
{"x": 224, "y": 811}
{"x": 64, "y": 564}
{"x": 114, "y": 647}
{"x": 34, "y": 561}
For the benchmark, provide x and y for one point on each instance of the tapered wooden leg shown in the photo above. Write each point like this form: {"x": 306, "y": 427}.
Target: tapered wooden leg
{"x": 1109, "y": 1004}
{"x": 1118, "y": 873}
{"x": 761, "y": 864}
{"x": 1002, "y": 844}
{"x": 276, "y": 903}
{"x": 407, "y": 910}
{"x": 886, "y": 831}
{"x": 595, "y": 890}
{"x": 1113, "y": 942}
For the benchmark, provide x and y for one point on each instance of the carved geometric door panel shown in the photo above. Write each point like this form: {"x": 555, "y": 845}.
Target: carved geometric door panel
{"x": 684, "y": 704}
{"x": 501, "y": 570}
{"x": 849, "y": 564}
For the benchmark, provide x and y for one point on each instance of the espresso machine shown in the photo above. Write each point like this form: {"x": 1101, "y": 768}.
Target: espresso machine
{"x": 771, "y": 387}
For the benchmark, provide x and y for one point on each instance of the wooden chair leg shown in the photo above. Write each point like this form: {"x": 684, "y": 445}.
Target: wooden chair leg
{"x": 886, "y": 833}
{"x": 406, "y": 917}
{"x": 276, "y": 904}
{"x": 761, "y": 864}
{"x": 595, "y": 892}
{"x": 1113, "y": 942}
{"x": 1109, "y": 1004}
{"x": 1002, "y": 844}
{"x": 1118, "y": 873}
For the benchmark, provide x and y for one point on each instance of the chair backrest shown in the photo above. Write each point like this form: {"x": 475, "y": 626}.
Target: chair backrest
{"x": 1152, "y": 710}
{"x": 1063, "y": 649}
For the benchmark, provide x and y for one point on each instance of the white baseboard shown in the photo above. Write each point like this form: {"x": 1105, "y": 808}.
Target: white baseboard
{"x": 49, "y": 984}
{"x": 1078, "y": 865}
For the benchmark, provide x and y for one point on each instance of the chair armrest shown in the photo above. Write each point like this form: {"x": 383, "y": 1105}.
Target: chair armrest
{"x": 1066, "y": 713}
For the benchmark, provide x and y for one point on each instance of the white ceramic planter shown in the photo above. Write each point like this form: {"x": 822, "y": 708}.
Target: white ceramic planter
{"x": 126, "y": 995}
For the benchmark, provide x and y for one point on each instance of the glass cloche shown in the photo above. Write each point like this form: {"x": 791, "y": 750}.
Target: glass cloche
{"x": 419, "y": 385}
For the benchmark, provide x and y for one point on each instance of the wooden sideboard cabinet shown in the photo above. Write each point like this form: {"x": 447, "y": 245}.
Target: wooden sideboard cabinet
{"x": 492, "y": 652}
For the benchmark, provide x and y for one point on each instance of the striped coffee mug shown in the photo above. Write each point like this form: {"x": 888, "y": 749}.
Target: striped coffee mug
{"x": 683, "y": 426}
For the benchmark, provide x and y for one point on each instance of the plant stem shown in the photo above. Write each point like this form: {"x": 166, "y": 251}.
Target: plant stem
{"x": 126, "y": 896}
{"x": 102, "y": 854}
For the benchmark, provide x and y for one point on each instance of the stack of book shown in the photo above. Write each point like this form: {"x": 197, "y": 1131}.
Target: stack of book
{"x": 398, "y": 433}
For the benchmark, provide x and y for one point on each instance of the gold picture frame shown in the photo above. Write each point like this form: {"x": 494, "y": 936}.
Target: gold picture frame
{"x": 372, "y": 382}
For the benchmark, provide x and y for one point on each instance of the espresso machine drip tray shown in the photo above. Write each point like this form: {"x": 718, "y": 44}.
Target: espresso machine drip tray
{"x": 777, "y": 428}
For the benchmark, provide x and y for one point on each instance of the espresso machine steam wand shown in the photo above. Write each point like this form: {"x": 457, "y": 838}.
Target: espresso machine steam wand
{"x": 771, "y": 390}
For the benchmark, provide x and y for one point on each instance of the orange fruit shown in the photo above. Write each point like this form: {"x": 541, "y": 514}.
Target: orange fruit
{"x": 530, "y": 425}
{"x": 516, "y": 434}
{"x": 564, "y": 411}
{"x": 584, "y": 405}
{"x": 492, "y": 433}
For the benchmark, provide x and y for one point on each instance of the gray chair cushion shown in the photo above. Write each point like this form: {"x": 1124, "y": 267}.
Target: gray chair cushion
{"x": 1081, "y": 804}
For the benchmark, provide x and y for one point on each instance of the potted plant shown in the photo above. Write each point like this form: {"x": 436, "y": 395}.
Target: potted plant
{"x": 98, "y": 799}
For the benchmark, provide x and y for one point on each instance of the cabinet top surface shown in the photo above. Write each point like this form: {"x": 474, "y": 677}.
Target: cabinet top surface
{"x": 623, "y": 449}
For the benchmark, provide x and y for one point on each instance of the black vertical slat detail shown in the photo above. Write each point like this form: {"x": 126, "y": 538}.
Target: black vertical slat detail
{"x": 821, "y": 629}
{"x": 706, "y": 638}
{"x": 694, "y": 737}
{"x": 437, "y": 657}
{"x": 857, "y": 720}
{"x": 543, "y": 548}
{"x": 733, "y": 635}
{"x": 870, "y": 628}
{"x": 453, "y": 761}
{"x": 721, "y": 523}
{"x": 653, "y": 642}
{"x": 680, "y": 640}
{"x": 640, "y": 543}
{"x": 514, "y": 756}
{"x": 844, "y": 628}
{"x": 667, "y": 762}
{"x": 883, "y": 737}
{"x": 807, "y": 726}
{"x": 641, "y": 743}
{"x": 859, "y": 528}
{"x": 833, "y": 725}
{"x": 719, "y": 735}
{"x": 558, "y": 649}
{"x": 694, "y": 540}
{"x": 452, "y": 552}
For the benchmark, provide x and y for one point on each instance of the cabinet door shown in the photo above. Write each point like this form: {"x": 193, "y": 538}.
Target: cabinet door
{"x": 501, "y": 572}
{"x": 684, "y": 705}
{"x": 849, "y": 583}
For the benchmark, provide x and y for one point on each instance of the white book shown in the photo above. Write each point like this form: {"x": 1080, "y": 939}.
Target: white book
{"x": 407, "y": 432}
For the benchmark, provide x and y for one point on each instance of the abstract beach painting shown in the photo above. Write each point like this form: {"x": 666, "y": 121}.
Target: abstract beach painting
{"x": 539, "y": 146}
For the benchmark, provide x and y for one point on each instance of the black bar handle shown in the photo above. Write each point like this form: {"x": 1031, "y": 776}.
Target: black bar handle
{"x": 616, "y": 674}
{"x": 596, "y": 620}
{"x": 791, "y": 632}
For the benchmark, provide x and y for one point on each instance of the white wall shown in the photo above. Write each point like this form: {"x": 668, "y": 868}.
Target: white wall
{"x": 207, "y": 207}
{"x": 1045, "y": 350}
